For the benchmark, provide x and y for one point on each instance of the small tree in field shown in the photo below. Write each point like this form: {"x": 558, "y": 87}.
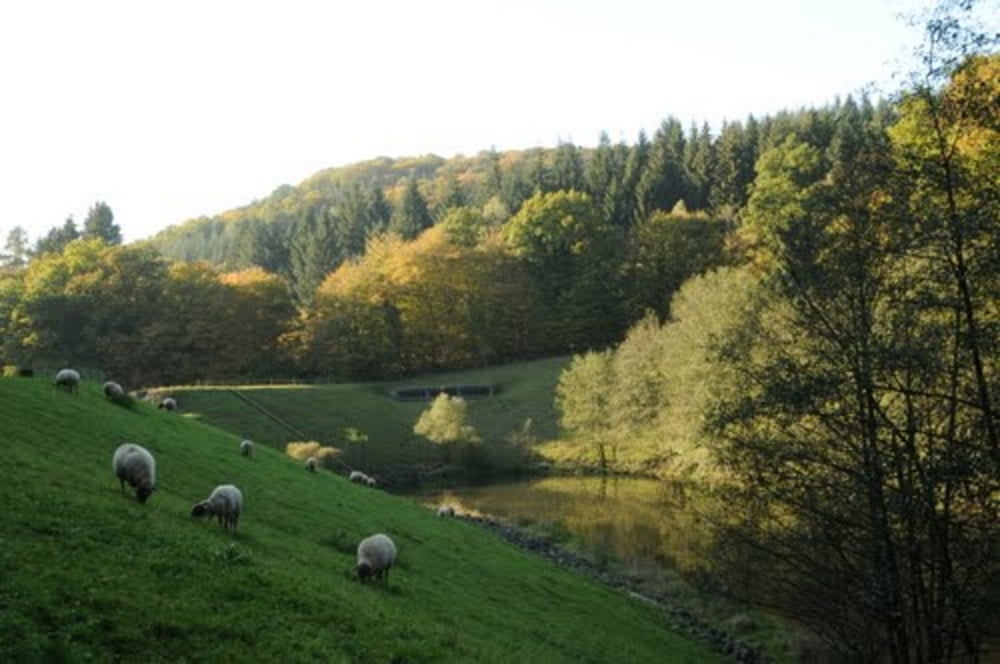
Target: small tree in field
{"x": 443, "y": 423}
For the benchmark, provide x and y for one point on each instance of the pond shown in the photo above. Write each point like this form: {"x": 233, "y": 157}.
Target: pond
{"x": 644, "y": 525}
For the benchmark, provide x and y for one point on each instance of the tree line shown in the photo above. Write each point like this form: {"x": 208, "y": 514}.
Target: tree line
{"x": 482, "y": 260}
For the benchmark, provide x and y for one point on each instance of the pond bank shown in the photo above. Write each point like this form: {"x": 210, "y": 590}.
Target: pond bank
{"x": 679, "y": 617}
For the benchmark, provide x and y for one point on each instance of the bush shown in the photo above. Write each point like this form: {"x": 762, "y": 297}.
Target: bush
{"x": 302, "y": 450}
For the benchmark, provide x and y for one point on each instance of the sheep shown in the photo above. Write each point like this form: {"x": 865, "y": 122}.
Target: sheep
{"x": 358, "y": 477}
{"x": 445, "y": 511}
{"x": 246, "y": 448}
{"x": 113, "y": 390}
{"x": 167, "y": 403}
{"x": 376, "y": 554}
{"x": 134, "y": 464}
{"x": 225, "y": 503}
{"x": 68, "y": 379}
{"x": 370, "y": 481}
{"x": 311, "y": 464}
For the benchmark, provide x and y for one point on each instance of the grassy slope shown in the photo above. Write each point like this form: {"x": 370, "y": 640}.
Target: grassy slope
{"x": 323, "y": 412}
{"x": 87, "y": 572}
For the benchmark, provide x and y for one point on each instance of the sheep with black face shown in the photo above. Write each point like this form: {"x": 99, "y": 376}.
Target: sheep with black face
{"x": 225, "y": 503}
{"x": 376, "y": 554}
{"x": 134, "y": 464}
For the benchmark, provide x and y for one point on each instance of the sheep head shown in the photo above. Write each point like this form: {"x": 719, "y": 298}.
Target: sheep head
{"x": 142, "y": 493}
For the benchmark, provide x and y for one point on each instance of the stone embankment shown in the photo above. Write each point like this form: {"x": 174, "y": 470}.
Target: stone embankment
{"x": 679, "y": 617}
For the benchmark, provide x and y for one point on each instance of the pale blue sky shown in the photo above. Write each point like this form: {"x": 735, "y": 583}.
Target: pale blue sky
{"x": 169, "y": 110}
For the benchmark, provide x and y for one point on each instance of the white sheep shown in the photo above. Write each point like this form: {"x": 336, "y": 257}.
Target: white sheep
{"x": 135, "y": 465}
{"x": 68, "y": 379}
{"x": 445, "y": 511}
{"x": 358, "y": 477}
{"x": 370, "y": 481}
{"x": 113, "y": 390}
{"x": 225, "y": 503}
{"x": 311, "y": 464}
{"x": 376, "y": 554}
{"x": 167, "y": 403}
{"x": 246, "y": 448}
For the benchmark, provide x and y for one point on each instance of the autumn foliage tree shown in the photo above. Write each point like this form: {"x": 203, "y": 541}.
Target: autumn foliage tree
{"x": 861, "y": 432}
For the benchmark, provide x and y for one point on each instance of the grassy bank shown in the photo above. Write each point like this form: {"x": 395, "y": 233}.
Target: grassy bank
{"x": 87, "y": 573}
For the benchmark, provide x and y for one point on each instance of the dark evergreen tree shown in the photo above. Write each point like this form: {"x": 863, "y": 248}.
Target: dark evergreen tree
{"x": 665, "y": 180}
{"x": 411, "y": 216}
{"x": 539, "y": 174}
{"x": 454, "y": 197}
{"x": 379, "y": 211}
{"x": 699, "y": 160}
{"x": 100, "y": 223}
{"x": 520, "y": 182}
{"x": 314, "y": 253}
{"x": 491, "y": 183}
{"x": 734, "y": 164}
{"x": 635, "y": 166}
{"x": 57, "y": 238}
{"x": 267, "y": 245}
{"x": 567, "y": 168}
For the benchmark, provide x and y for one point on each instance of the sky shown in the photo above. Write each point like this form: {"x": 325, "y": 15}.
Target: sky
{"x": 171, "y": 110}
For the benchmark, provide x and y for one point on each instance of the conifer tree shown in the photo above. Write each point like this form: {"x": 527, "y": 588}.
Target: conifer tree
{"x": 100, "y": 224}
{"x": 665, "y": 179}
{"x": 57, "y": 238}
{"x": 411, "y": 216}
{"x": 314, "y": 253}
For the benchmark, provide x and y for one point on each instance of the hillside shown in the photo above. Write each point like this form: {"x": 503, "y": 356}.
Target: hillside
{"x": 87, "y": 573}
{"x": 325, "y": 412}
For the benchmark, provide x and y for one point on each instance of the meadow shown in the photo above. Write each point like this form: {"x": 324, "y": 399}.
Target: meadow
{"x": 329, "y": 413}
{"x": 87, "y": 573}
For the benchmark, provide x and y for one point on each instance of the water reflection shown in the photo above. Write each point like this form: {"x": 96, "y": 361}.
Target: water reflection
{"x": 643, "y": 524}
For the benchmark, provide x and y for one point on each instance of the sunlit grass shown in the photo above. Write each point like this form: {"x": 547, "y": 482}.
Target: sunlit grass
{"x": 88, "y": 573}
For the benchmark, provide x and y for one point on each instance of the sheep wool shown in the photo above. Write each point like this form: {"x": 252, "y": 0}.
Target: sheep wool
{"x": 445, "y": 511}
{"x": 358, "y": 476}
{"x": 68, "y": 379}
{"x": 134, "y": 464}
{"x": 112, "y": 390}
{"x": 376, "y": 554}
{"x": 370, "y": 481}
{"x": 167, "y": 403}
{"x": 225, "y": 503}
{"x": 311, "y": 464}
{"x": 246, "y": 448}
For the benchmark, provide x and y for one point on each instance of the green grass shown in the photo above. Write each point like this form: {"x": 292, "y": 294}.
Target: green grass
{"x": 88, "y": 573}
{"x": 324, "y": 412}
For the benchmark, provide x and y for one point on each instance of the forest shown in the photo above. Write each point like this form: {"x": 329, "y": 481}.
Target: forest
{"x": 800, "y": 311}
{"x": 395, "y": 267}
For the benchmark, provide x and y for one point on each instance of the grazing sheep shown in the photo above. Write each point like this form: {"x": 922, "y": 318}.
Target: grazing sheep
{"x": 445, "y": 511}
{"x": 225, "y": 503}
{"x": 167, "y": 403}
{"x": 358, "y": 476}
{"x": 311, "y": 464}
{"x": 113, "y": 390}
{"x": 135, "y": 465}
{"x": 68, "y": 379}
{"x": 246, "y": 448}
{"x": 370, "y": 481}
{"x": 376, "y": 554}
